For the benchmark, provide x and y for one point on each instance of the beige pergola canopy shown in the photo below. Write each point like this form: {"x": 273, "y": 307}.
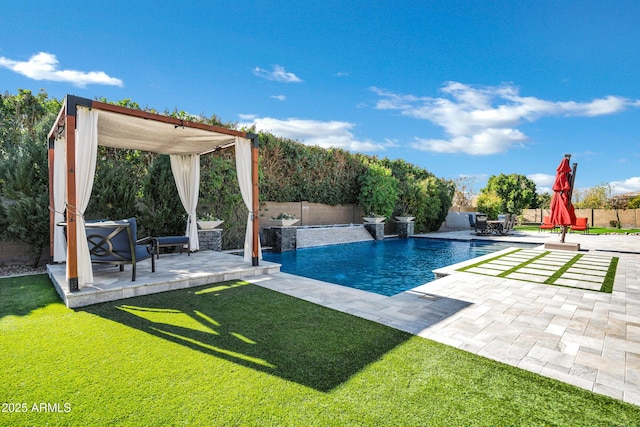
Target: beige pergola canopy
{"x": 83, "y": 124}
{"x": 121, "y": 127}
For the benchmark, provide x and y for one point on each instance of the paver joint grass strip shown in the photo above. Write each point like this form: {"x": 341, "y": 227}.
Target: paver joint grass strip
{"x": 488, "y": 260}
{"x": 607, "y": 285}
{"x": 555, "y": 276}
{"x": 524, "y": 264}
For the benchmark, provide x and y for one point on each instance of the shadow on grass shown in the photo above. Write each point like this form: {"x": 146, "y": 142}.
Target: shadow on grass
{"x": 262, "y": 329}
{"x": 21, "y": 295}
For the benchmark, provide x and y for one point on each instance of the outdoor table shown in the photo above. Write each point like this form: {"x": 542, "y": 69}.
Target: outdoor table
{"x": 495, "y": 226}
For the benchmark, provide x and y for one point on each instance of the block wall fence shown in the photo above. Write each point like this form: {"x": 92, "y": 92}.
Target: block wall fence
{"x": 629, "y": 218}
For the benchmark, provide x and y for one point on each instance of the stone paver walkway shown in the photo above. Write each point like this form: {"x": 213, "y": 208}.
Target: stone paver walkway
{"x": 549, "y": 267}
{"x": 579, "y": 336}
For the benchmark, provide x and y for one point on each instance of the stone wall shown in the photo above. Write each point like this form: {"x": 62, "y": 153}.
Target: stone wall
{"x": 456, "y": 221}
{"x": 311, "y": 213}
{"x": 210, "y": 240}
{"x": 14, "y": 252}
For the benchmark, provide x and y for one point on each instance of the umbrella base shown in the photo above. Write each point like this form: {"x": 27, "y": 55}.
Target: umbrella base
{"x": 562, "y": 246}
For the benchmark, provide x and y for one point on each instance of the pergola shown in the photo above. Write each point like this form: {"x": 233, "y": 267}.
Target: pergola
{"x": 83, "y": 124}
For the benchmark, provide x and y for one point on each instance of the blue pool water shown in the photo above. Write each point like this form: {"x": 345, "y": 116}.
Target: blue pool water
{"x": 385, "y": 267}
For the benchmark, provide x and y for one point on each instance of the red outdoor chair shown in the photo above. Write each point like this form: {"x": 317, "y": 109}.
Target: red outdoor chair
{"x": 580, "y": 225}
{"x": 546, "y": 224}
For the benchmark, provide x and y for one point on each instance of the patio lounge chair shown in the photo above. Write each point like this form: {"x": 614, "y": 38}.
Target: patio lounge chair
{"x": 509, "y": 223}
{"x": 115, "y": 242}
{"x": 580, "y": 225}
{"x": 546, "y": 224}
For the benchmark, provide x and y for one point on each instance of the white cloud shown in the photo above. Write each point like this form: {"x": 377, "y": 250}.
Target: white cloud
{"x": 543, "y": 179}
{"x": 543, "y": 182}
{"x": 484, "y": 120}
{"x": 329, "y": 134}
{"x": 487, "y": 141}
{"x": 247, "y": 116}
{"x": 44, "y": 66}
{"x": 629, "y": 185}
{"x": 279, "y": 97}
{"x": 277, "y": 74}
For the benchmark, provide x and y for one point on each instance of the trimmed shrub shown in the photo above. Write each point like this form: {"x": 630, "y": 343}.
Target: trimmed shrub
{"x": 378, "y": 189}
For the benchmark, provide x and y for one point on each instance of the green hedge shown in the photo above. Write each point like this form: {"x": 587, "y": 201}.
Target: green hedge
{"x": 134, "y": 183}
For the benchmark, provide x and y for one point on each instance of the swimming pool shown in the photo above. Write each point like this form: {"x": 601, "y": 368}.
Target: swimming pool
{"x": 386, "y": 267}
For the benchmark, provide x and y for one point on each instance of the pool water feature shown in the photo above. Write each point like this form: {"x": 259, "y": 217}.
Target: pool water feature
{"x": 386, "y": 267}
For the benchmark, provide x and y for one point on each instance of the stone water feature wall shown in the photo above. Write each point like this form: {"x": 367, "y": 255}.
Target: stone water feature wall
{"x": 321, "y": 236}
{"x": 282, "y": 239}
{"x": 311, "y": 213}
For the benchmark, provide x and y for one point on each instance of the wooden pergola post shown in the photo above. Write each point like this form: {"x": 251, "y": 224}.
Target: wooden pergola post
{"x": 72, "y": 241}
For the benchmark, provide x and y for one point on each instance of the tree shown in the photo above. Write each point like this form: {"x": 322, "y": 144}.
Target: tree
{"x": 378, "y": 189}
{"x": 21, "y": 113}
{"x": 24, "y": 173}
{"x": 435, "y": 201}
{"x": 616, "y": 203}
{"x": 490, "y": 203}
{"x": 220, "y": 197}
{"x": 542, "y": 201}
{"x": 593, "y": 198}
{"x": 115, "y": 191}
{"x": 163, "y": 213}
{"x": 515, "y": 191}
{"x": 634, "y": 203}
{"x": 463, "y": 196}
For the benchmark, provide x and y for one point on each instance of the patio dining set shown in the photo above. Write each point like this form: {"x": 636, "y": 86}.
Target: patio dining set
{"x": 482, "y": 226}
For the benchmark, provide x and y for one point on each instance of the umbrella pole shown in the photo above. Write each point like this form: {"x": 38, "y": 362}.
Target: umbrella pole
{"x": 564, "y": 232}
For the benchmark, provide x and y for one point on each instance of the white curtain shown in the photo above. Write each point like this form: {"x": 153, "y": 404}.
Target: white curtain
{"x": 86, "y": 153}
{"x": 243, "y": 169}
{"x": 186, "y": 173}
{"x": 59, "y": 198}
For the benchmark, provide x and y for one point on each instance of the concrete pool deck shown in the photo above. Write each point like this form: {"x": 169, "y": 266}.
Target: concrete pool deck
{"x": 579, "y": 336}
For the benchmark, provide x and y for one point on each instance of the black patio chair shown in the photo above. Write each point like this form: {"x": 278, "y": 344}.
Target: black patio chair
{"x": 481, "y": 227}
{"x": 115, "y": 242}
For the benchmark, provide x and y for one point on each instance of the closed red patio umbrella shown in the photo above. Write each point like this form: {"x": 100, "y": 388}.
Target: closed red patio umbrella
{"x": 562, "y": 212}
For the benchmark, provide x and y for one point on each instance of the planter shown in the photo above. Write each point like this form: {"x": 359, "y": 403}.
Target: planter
{"x": 374, "y": 220}
{"x": 209, "y": 225}
{"x": 405, "y": 218}
{"x": 284, "y": 222}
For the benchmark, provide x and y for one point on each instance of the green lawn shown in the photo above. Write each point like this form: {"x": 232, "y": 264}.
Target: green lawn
{"x": 235, "y": 354}
{"x": 592, "y": 230}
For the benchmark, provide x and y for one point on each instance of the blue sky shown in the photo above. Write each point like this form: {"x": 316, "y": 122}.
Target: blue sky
{"x": 461, "y": 88}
